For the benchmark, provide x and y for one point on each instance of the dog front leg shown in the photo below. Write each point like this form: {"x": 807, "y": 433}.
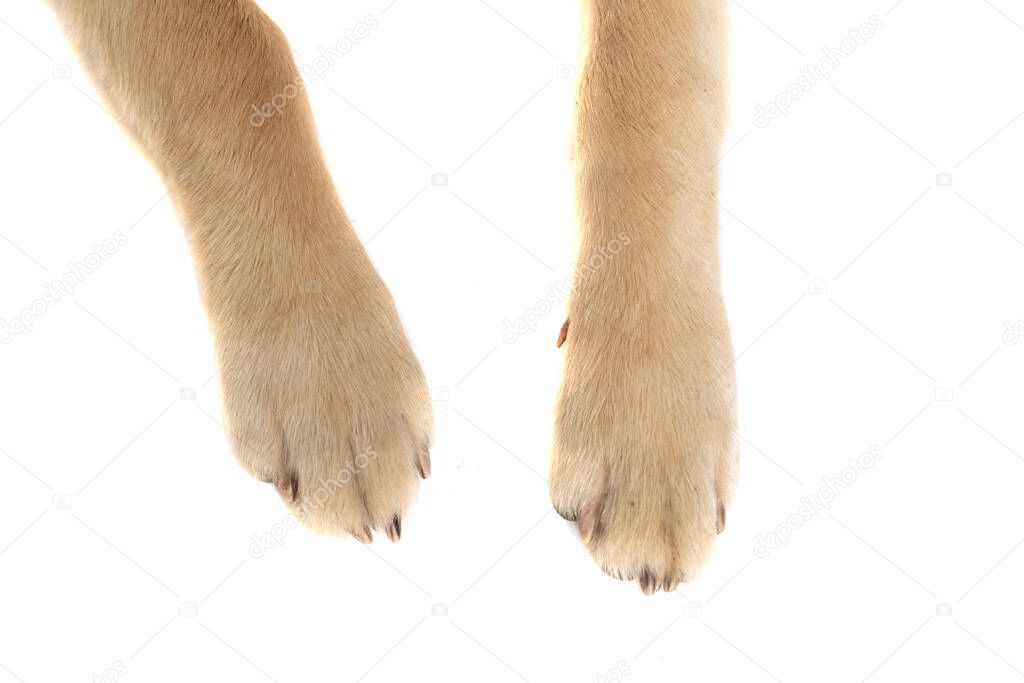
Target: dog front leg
{"x": 644, "y": 456}
{"x": 323, "y": 395}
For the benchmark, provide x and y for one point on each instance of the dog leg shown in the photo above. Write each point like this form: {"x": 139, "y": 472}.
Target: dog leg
{"x": 323, "y": 395}
{"x": 644, "y": 455}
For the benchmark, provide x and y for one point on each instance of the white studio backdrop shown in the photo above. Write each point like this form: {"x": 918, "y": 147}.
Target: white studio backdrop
{"x": 872, "y": 238}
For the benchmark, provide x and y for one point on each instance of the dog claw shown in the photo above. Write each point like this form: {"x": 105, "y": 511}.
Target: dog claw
{"x": 648, "y": 584}
{"x": 563, "y": 334}
{"x": 394, "y": 529}
{"x": 423, "y": 462}
{"x": 363, "y": 535}
{"x": 720, "y": 524}
{"x": 588, "y": 520}
{"x": 288, "y": 486}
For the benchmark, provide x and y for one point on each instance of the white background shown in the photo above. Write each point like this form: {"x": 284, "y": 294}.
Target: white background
{"x": 870, "y": 306}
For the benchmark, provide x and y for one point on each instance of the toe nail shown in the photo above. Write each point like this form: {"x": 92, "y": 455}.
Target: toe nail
{"x": 394, "y": 529}
{"x": 363, "y": 535}
{"x": 647, "y": 582}
{"x": 721, "y": 518}
{"x": 423, "y": 462}
{"x": 585, "y": 522}
{"x": 562, "y": 334}
{"x": 288, "y": 486}
{"x": 588, "y": 520}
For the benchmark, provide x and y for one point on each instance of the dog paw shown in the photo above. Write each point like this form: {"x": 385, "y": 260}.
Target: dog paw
{"x": 325, "y": 399}
{"x": 644, "y": 457}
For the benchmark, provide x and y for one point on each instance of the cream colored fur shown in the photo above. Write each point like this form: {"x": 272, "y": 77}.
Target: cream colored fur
{"x": 644, "y": 453}
{"x": 323, "y": 395}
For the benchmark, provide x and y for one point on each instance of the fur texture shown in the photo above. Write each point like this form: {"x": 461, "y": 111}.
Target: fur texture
{"x": 323, "y": 394}
{"x": 644, "y": 455}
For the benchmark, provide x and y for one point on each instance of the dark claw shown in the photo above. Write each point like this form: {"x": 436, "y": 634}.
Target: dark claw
{"x": 394, "y": 529}
{"x": 721, "y": 518}
{"x": 423, "y": 462}
{"x": 648, "y": 584}
{"x": 288, "y": 486}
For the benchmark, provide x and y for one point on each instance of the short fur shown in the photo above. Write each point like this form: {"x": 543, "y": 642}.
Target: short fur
{"x": 323, "y": 394}
{"x": 644, "y": 453}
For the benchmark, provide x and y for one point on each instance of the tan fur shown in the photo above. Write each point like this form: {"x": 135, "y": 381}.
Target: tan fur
{"x": 322, "y": 393}
{"x": 644, "y": 454}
